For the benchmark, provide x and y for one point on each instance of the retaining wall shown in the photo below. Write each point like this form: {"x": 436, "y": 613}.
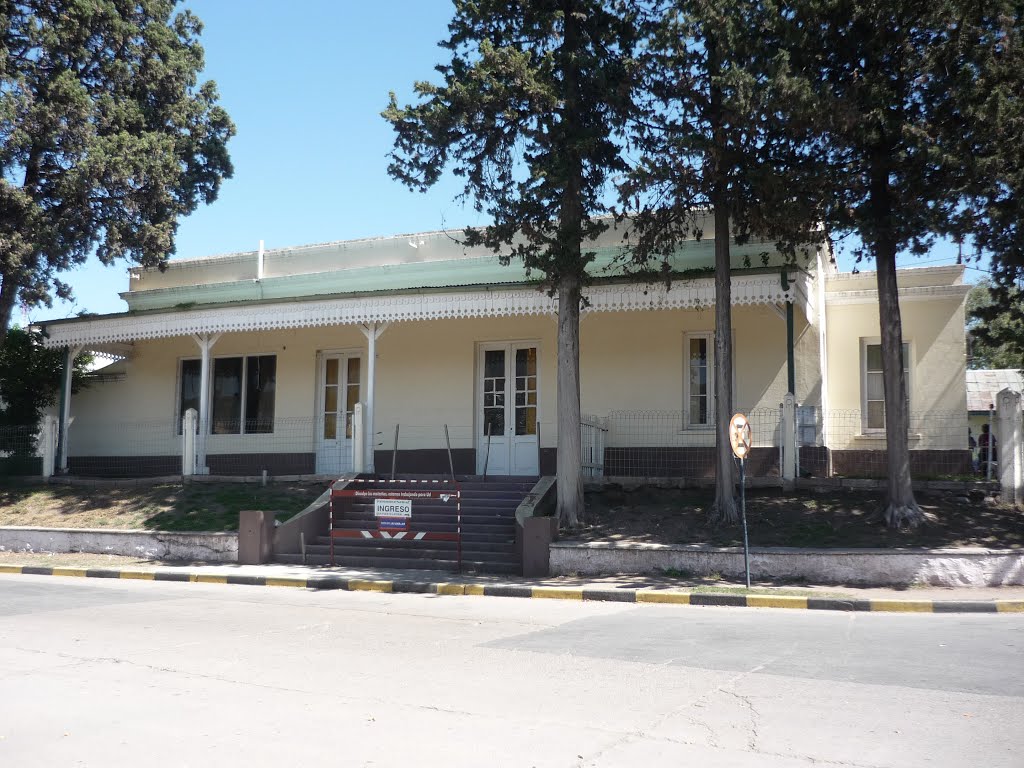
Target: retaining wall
{"x": 150, "y": 545}
{"x": 968, "y": 567}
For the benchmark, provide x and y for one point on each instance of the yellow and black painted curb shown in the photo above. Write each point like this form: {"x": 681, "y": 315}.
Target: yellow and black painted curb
{"x": 607, "y": 594}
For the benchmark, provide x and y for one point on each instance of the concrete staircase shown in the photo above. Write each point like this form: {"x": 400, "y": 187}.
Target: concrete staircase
{"x": 488, "y": 531}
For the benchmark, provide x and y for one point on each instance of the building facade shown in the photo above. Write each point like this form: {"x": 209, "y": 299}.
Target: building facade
{"x": 356, "y": 355}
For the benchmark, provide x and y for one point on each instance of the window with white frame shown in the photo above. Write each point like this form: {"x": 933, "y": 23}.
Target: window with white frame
{"x": 873, "y": 387}
{"x": 698, "y": 379}
{"x": 188, "y": 389}
{"x": 242, "y": 393}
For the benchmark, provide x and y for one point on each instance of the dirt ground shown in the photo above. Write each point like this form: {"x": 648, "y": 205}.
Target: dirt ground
{"x": 804, "y": 519}
{"x": 168, "y": 507}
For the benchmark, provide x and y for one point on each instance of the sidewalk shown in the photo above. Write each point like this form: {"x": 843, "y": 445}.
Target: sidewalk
{"x": 638, "y": 589}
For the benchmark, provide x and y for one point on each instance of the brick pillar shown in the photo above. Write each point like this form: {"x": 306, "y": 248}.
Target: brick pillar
{"x": 255, "y": 537}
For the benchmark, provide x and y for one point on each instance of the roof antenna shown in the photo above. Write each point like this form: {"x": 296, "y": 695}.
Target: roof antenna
{"x": 259, "y": 263}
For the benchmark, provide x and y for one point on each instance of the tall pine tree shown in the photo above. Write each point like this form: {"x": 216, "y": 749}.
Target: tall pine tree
{"x": 713, "y": 88}
{"x": 529, "y": 113}
{"x": 106, "y": 139}
{"x": 894, "y": 86}
{"x": 987, "y": 113}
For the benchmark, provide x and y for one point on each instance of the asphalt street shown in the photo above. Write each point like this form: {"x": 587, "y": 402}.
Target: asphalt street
{"x": 126, "y": 673}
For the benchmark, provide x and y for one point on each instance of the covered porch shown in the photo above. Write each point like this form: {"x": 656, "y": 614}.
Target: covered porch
{"x": 332, "y": 385}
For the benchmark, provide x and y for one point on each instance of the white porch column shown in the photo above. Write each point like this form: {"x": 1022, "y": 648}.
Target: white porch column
{"x": 1010, "y": 446}
{"x": 372, "y": 332}
{"x": 359, "y": 440}
{"x": 48, "y": 441}
{"x": 205, "y": 341}
{"x": 188, "y": 442}
{"x": 70, "y": 353}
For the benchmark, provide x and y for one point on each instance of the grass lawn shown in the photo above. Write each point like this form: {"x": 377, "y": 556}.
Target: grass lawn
{"x": 803, "y": 519}
{"x": 171, "y": 507}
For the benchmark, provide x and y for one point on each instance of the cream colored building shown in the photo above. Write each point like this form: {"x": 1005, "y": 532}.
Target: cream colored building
{"x": 442, "y": 345}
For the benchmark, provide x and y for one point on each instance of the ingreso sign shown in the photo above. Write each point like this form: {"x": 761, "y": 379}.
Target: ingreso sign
{"x": 392, "y": 508}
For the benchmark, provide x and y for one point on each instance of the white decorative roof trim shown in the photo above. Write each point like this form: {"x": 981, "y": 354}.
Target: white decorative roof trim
{"x": 691, "y": 294}
{"x": 915, "y": 293}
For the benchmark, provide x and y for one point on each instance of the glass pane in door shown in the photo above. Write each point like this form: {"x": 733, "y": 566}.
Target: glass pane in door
{"x": 331, "y": 394}
{"x": 526, "y": 391}
{"x": 494, "y": 392}
{"x": 351, "y": 393}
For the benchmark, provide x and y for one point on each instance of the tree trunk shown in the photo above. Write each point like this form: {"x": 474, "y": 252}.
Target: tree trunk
{"x": 901, "y": 507}
{"x": 569, "y": 485}
{"x": 8, "y": 296}
{"x": 724, "y": 509}
{"x": 569, "y": 471}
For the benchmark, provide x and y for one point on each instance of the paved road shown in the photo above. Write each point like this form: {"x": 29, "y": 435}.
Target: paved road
{"x": 120, "y": 673}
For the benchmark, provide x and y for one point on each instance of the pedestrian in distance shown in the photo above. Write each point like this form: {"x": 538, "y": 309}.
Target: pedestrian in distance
{"x": 986, "y": 447}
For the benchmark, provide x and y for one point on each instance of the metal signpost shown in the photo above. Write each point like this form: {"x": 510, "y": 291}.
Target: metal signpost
{"x": 739, "y": 438}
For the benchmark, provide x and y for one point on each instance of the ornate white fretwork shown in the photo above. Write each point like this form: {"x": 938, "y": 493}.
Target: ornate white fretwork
{"x": 396, "y": 308}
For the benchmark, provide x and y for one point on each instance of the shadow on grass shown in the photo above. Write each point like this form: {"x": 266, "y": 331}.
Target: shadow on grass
{"x": 168, "y": 507}
{"x": 800, "y": 519}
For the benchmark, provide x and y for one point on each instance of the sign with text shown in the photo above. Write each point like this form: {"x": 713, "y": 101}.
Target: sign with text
{"x": 393, "y": 493}
{"x": 392, "y": 508}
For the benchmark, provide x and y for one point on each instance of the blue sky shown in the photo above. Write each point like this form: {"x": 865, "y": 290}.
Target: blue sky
{"x": 305, "y": 84}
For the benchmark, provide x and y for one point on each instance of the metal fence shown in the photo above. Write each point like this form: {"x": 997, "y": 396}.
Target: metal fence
{"x": 593, "y": 438}
{"x": 939, "y": 445}
{"x": 20, "y": 449}
{"x": 622, "y": 443}
{"x": 302, "y": 446}
{"x": 828, "y": 443}
{"x": 156, "y": 448}
{"x": 663, "y": 444}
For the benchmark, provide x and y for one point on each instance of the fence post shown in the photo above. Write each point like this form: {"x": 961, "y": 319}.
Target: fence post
{"x": 49, "y": 444}
{"x": 188, "y": 442}
{"x": 788, "y": 438}
{"x": 358, "y": 440}
{"x": 1010, "y": 446}
{"x": 586, "y": 449}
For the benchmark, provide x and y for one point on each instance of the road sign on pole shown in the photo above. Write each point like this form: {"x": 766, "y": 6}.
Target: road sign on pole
{"x": 739, "y": 435}
{"x": 740, "y": 439}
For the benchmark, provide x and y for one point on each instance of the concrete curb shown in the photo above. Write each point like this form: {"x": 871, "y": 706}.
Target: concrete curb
{"x": 625, "y": 595}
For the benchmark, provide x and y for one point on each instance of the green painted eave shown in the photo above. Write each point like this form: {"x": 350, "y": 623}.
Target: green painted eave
{"x": 456, "y": 273}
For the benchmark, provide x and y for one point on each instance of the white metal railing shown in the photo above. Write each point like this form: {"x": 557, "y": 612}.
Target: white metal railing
{"x": 593, "y": 432}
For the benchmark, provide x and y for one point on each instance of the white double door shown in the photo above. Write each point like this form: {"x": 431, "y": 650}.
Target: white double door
{"x": 339, "y": 389}
{"x": 507, "y": 409}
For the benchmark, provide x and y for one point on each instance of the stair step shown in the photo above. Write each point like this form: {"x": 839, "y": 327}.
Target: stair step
{"x": 425, "y": 506}
{"x": 412, "y": 553}
{"x": 368, "y": 514}
{"x": 468, "y": 566}
{"x": 465, "y": 488}
{"x": 468, "y": 539}
{"x": 417, "y": 526}
{"x": 323, "y": 544}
